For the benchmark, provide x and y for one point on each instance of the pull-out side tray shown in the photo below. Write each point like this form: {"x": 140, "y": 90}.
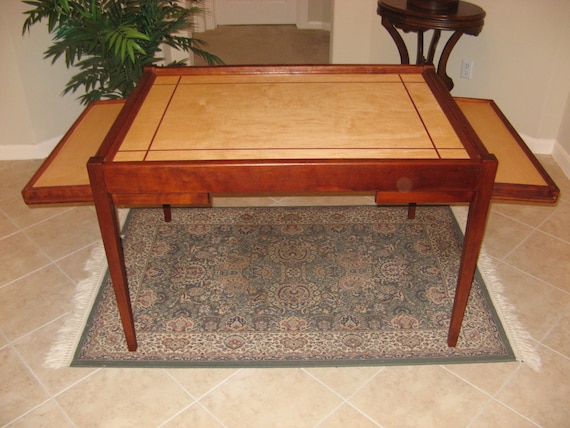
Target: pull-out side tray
{"x": 520, "y": 176}
{"x": 63, "y": 177}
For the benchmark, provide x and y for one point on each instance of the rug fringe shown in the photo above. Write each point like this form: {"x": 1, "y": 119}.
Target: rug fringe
{"x": 62, "y": 350}
{"x": 519, "y": 338}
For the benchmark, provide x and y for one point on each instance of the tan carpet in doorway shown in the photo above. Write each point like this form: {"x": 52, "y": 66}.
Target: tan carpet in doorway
{"x": 266, "y": 44}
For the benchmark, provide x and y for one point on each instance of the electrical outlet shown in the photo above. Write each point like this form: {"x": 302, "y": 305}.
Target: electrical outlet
{"x": 466, "y": 68}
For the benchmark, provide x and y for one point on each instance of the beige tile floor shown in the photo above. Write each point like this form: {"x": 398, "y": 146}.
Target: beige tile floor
{"x": 42, "y": 253}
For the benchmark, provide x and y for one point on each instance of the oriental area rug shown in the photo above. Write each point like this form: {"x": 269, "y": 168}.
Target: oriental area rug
{"x": 285, "y": 287}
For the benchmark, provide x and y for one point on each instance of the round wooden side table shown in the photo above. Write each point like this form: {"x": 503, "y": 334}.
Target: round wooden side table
{"x": 467, "y": 18}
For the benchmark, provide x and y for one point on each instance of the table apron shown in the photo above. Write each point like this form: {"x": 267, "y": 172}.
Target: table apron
{"x": 451, "y": 177}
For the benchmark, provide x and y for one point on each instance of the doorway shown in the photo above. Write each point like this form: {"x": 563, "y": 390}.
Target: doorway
{"x": 255, "y": 12}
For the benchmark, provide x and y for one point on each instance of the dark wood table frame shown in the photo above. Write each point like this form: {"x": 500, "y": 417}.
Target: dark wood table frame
{"x": 137, "y": 183}
{"x": 466, "y": 19}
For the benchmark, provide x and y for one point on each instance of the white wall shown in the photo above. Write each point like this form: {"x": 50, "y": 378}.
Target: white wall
{"x": 319, "y": 10}
{"x": 314, "y": 14}
{"x": 521, "y": 59}
{"x": 16, "y": 128}
{"x": 562, "y": 151}
{"x": 524, "y": 66}
{"x": 32, "y": 110}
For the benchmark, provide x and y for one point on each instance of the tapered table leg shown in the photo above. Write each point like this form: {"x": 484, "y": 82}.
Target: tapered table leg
{"x": 111, "y": 235}
{"x": 474, "y": 232}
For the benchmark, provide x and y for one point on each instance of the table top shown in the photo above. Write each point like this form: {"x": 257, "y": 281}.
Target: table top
{"x": 237, "y": 114}
{"x": 193, "y": 131}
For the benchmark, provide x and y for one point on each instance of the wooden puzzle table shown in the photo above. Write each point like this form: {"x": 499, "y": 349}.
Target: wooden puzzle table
{"x": 186, "y": 133}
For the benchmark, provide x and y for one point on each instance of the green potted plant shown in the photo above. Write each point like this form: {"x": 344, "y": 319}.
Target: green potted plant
{"x": 110, "y": 42}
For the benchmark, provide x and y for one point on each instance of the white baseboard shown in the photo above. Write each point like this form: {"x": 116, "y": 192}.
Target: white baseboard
{"x": 303, "y": 21}
{"x": 539, "y": 146}
{"x": 544, "y": 146}
{"x": 314, "y": 25}
{"x": 562, "y": 158}
{"x": 28, "y": 151}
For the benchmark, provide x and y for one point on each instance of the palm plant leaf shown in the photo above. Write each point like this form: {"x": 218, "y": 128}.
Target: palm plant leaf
{"x": 110, "y": 42}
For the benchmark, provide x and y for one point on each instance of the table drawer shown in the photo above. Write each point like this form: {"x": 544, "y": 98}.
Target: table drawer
{"x": 520, "y": 176}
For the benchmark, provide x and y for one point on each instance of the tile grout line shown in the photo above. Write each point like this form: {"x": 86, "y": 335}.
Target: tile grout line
{"x": 346, "y": 401}
{"x": 51, "y": 261}
{"x": 551, "y": 329}
{"x": 194, "y": 402}
{"x": 535, "y": 229}
{"x": 493, "y": 397}
{"x": 21, "y": 230}
{"x": 197, "y": 399}
{"x": 29, "y": 273}
{"x": 542, "y": 281}
{"x": 43, "y": 220}
{"x": 560, "y": 354}
{"x": 189, "y": 406}
{"x": 51, "y": 397}
{"x": 36, "y": 329}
